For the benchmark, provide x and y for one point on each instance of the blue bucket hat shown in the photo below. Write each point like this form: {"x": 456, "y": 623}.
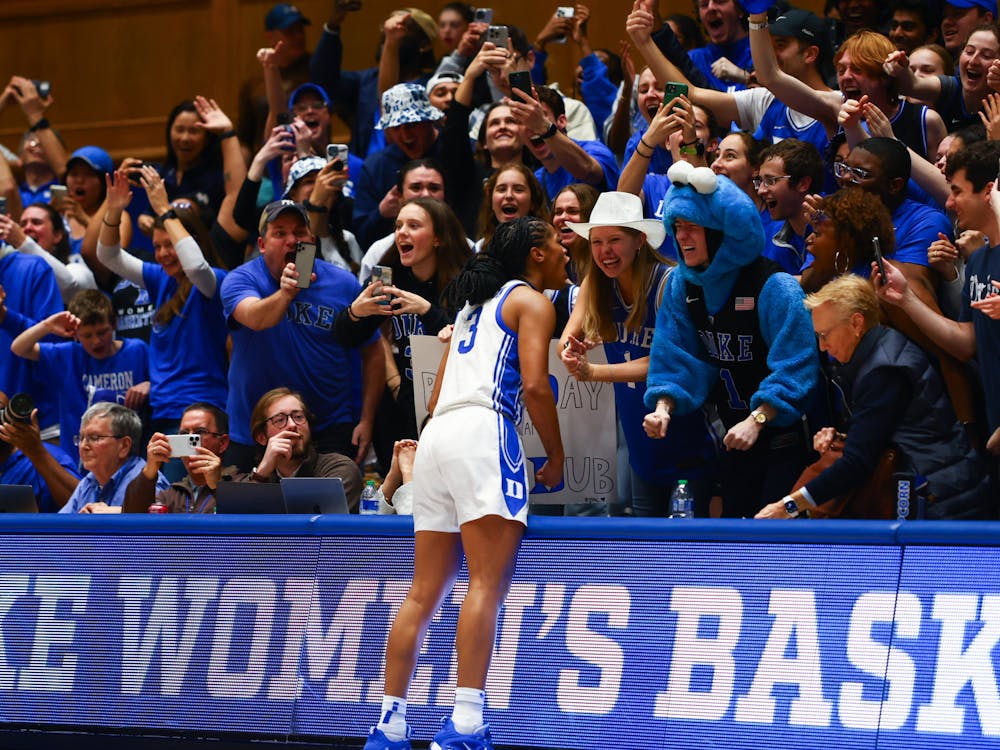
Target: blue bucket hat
{"x": 283, "y": 15}
{"x": 407, "y": 103}
{"x": 300, "y": 169}
{"x": 94, "y": 157}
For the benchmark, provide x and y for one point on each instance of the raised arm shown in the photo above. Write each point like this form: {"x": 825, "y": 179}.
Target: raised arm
{"x": 394, "y": 29}
{"x": 191, "y": 258}
{"x": 109, "y": 249}
{"x": 23, "y": 90}
{"x": 558, "y": 150}
{"x": 795, "y": 94}
{"x": 925, "y": 88}
{"x": 639, "y": 26}
{"x": 234, "y": 167}
{"x": 61, "y": 324}
{"x": 268, "y": 58}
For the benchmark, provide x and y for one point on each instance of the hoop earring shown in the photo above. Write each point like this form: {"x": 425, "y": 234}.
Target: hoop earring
{"x": 836, "y": 263}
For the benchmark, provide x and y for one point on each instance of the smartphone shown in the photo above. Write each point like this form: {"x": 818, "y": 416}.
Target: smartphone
{"x": 672, "y": 90}
{"x": 383, "y": 274}
{"x": 3, "y": 205}
{"x": 877, "y": 250}
{"x": 305, "y": 259}
{"x": 58, "y": 193}
{"x": 564, "y": 11}
{"x": 183, "y": 445}
{"x": 483, "y": 15}
{"x": 521, "y": 80}
{"x": 498, "y": 36}
{"x": 337, "y": 152}
{"x": 44, "y": 88}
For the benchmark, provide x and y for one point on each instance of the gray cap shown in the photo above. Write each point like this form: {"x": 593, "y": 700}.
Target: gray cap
{"x": 274, "y": 209}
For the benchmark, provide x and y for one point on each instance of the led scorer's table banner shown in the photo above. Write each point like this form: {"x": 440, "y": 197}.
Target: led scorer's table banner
{"x": 616, "y": 634}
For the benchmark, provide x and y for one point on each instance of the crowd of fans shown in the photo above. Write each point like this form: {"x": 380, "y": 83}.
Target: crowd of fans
{"x": 781, "y": 227}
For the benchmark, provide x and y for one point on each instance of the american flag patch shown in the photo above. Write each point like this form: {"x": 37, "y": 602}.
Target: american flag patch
{"x": 744, "y": 303}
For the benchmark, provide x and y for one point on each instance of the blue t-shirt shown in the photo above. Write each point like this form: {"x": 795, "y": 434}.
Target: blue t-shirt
{"x": 87, "y": 381}
{"x": 737, "y": 52}
{"x": 982, "y": 268}
{"x": 661, "y": 160}
{"x": 32, "y": 291}
{"x": 187, "y": 357}
{"x": 42, "y": 195}
{"x": 113, "y": 493}
{"x": 553, "y": 182}
{"x": 785, "y": 247}
{"x": 917, "y": 226}
{"x": 18, "y": 469}
{"x": 300, "y": 352}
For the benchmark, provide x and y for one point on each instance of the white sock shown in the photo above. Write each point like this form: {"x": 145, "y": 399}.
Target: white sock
{"x": 393, "y": 721}
{"x": 468, "y": 713}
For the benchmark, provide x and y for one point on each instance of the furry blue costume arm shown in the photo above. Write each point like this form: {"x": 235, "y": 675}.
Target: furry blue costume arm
{"x": 676, "y": 369}
{"x": 792, "y": 354}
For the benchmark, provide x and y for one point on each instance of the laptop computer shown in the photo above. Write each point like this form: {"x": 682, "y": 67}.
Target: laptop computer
{"x": 314, "y": 495}
{"x": 18, "y": 498}
{"x": 249, "y": 498}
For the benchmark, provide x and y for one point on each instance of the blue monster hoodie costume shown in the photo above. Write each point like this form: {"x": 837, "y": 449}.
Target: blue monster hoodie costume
{"x": 771, "y": 359}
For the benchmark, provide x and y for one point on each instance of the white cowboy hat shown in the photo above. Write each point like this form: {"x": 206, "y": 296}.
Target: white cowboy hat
{"x": 621, "y": 210}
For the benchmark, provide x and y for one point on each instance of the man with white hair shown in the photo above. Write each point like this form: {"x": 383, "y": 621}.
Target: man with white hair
{"x": 107, "y": 434}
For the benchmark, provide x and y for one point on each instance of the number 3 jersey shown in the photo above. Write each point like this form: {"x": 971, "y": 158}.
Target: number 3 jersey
{"x": 483, "y": 366}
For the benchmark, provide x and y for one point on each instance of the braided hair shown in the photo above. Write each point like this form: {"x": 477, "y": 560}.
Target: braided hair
{"x": 503, "y": 259}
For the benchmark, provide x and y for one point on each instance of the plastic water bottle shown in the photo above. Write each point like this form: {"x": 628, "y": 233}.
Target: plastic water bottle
{"x": 369, "y": 499}
{"x": 681, "y": 502}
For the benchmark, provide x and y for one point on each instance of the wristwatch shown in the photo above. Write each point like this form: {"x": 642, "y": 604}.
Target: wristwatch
{"x": 758, "y": 26}
{"x": 792, "y": 507}
{"x": 759, "y": 417}
{"x": 550, "y": 132}
{"x": 168, "y": 214}
{"x": 693, "y": 149}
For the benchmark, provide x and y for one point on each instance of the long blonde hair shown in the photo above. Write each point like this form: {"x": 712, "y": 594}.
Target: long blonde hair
{"x": 597, "y": 318}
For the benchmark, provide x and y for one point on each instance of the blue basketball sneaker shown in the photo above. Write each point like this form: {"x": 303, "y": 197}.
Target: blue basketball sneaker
{"x": 449, "y": 739}
{"x": 378, "y": 741}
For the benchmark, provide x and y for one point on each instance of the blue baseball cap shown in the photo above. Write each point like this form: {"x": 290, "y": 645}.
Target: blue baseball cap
{"x": 94, "y": 157}
{"x": 283, "y": 15}
{"x": 989, "y": 5}
{"x": 314, "y": 88}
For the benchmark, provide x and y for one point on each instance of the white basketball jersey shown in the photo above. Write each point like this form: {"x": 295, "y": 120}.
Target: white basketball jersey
{"x": 483, "y": 367}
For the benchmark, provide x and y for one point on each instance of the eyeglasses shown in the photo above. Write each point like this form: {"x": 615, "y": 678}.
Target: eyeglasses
{"x": 280, "y": 419}
{"x": 312, "y": 106}
{"x": 769, "y": 181}
{"x": 855, "y": 174}
{"x": 201, "y": 431}
{"x": 79, "y": 440}
{"x": 822, "y": 335}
